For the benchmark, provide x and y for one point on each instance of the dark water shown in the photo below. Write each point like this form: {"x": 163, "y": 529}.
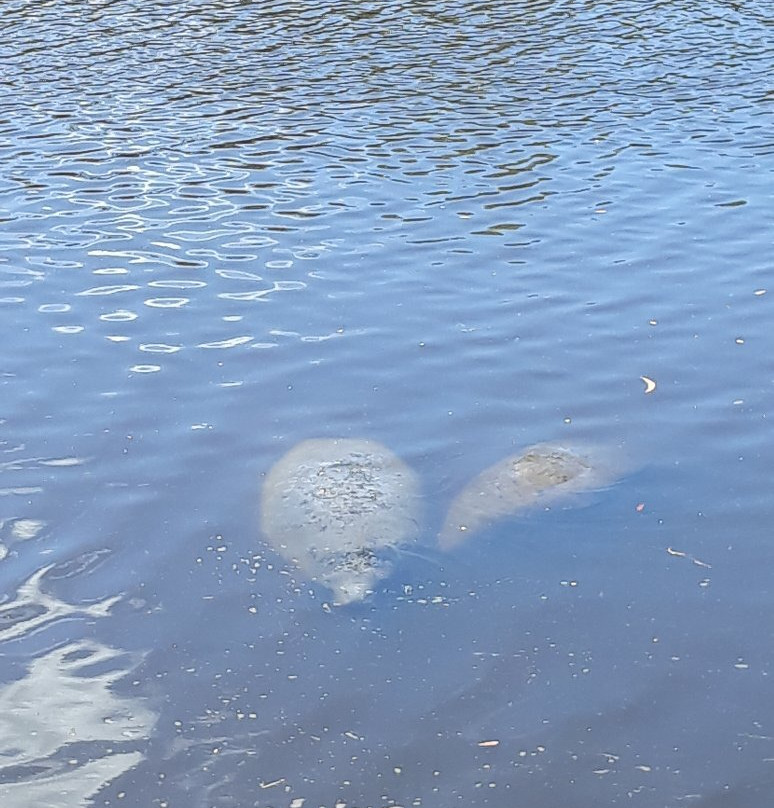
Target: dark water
{"x": 226, "y": 227}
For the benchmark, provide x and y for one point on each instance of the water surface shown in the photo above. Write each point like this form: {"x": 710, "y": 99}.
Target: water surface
{"x": 226, "y": 228}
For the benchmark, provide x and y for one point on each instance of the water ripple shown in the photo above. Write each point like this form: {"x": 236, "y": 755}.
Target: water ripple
{"x": 64, "y": 728}
{"x": 453, "y": 224}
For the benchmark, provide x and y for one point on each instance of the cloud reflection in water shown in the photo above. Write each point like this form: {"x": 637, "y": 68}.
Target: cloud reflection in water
{"x": 65, "y": 732}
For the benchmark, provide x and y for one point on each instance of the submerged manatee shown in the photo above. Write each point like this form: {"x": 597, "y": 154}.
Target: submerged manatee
{"x": 336, "y": 508}
{"x": 540, "y": 474}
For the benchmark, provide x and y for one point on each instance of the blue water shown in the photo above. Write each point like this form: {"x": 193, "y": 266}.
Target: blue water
{"x": 457, "y": 230}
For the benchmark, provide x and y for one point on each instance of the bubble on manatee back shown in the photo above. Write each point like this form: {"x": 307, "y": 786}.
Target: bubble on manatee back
{"x": 336, "y": 508}
{"x": 543, "y": 473}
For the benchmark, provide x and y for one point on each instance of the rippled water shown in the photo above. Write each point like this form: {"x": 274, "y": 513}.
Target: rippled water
{"x": 227, "y": 227}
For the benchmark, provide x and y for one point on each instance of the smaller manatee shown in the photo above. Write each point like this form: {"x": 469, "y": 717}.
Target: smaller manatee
{"x": 338, "y": 508}
{"x": 540, "y": 474}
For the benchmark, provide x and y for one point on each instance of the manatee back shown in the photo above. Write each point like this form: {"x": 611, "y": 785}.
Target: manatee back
{"x": 330, "y": 506}
{"x": 542, "y": 473}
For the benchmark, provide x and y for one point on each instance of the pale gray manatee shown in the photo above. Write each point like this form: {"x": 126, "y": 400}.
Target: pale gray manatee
{"x": 540, "y": 474}
{"x": 338, "y": 509}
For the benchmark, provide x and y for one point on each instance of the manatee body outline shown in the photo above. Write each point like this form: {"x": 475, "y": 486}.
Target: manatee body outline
{"x": 338, "y": 508}
{"x": 542, "y": 473}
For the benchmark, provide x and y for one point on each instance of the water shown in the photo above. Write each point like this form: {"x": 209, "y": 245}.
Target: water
{"x": 456, "y": 230}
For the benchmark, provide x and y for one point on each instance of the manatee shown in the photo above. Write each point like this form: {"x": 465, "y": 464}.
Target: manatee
{"x": 540, "y": 474}
{"x": 338, "y": 509}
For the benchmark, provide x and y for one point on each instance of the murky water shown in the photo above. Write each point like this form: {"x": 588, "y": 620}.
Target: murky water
{"x": 226, "y": 228}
